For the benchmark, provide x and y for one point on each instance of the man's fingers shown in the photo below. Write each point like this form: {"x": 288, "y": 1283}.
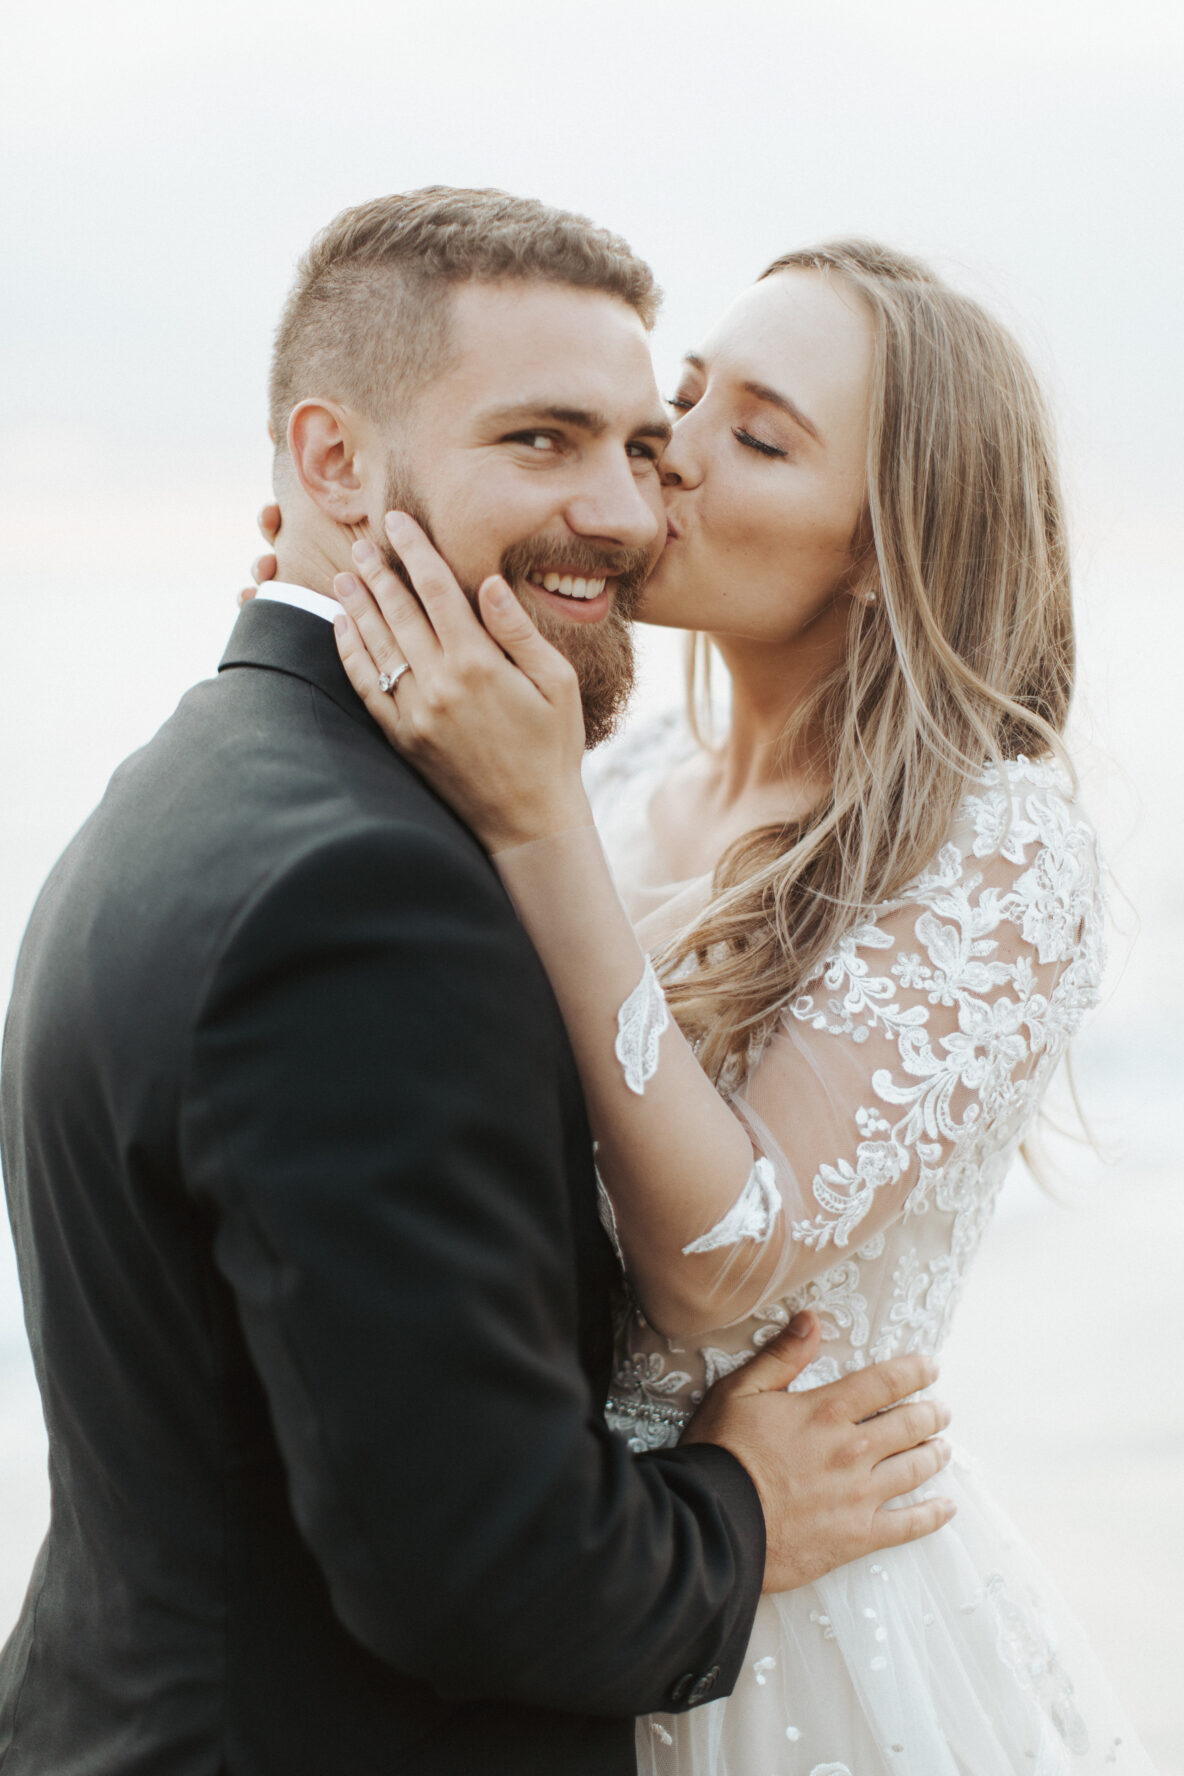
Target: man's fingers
{"x": 872, "y": 1390}
{"x": 781, "y": 1361}
{"x": 904, "y": 1473}
{"x": 890, "y": 1529}
{"x": 901, "y": 1427}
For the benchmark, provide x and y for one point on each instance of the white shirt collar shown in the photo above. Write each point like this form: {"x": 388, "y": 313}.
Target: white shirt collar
{"x": 302, "y": 597}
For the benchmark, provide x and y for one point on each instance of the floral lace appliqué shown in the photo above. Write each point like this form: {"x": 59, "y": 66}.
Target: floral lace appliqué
{"x": 750, "y": 1217}
{"x": 640, "y": 1023}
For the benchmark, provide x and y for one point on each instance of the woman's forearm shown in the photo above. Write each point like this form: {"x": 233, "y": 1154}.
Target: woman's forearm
{"x": 673, "y": 1156}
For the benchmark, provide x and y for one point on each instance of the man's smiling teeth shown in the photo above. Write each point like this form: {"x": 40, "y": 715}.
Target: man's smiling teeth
{"x": 570, "y": 587}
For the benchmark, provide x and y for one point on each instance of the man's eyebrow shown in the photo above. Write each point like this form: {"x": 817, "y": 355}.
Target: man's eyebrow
{"x": 654, "y": 428}
{"x": 764, "y": 392}
{"x": 584, "y": 419}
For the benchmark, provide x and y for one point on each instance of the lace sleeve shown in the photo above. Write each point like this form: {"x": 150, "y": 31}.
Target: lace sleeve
{"x": 924, "y": 1044}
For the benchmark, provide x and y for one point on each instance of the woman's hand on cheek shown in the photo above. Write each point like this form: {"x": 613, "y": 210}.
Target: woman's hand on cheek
{"x": 490, "y": 716}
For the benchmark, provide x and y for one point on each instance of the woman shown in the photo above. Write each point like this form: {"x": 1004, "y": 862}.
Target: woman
{"x": 859, "y": 934}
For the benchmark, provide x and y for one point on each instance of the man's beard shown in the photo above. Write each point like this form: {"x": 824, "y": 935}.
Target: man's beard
{"x": 601, "y": 653}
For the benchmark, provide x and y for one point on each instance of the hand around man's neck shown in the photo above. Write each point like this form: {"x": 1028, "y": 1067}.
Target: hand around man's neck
{"x": 315, "y": 561}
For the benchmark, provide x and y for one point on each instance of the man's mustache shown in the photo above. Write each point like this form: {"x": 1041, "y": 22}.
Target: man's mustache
{"x": 535, "y": 556}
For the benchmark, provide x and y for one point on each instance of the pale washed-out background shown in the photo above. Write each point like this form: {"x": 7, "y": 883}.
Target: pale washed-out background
{"x": 160, "y": 169}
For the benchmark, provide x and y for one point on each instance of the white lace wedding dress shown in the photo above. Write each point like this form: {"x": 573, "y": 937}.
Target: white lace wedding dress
{"x": 888, "y": 1105}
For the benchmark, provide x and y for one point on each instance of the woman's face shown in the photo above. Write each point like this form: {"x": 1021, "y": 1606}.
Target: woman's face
{"x": 766, "y": 473}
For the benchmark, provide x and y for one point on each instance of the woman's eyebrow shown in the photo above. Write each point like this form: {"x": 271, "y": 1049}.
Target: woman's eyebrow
{"x": 763, "y": 392}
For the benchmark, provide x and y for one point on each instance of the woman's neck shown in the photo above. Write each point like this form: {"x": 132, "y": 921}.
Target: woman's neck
{"x": 770, "y": 687}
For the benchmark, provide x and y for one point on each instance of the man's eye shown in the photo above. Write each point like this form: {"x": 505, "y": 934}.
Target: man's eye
{"x": 536, "y": 440}
{"x": 642, "y": 452}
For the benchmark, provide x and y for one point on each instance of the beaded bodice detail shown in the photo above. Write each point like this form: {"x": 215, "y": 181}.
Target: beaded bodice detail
{"x": 888, "y": 1103}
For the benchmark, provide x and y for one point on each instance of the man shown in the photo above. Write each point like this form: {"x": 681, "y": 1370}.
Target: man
{"x": 297, "y": 1163}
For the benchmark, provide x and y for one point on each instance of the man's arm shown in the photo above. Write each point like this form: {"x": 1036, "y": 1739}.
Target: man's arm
{"x": 372, "y": 1112}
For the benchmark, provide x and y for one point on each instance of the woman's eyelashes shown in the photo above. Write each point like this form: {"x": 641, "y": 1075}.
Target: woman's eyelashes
{"x": 751, "y": 443}
{"x": 684, "y": 403}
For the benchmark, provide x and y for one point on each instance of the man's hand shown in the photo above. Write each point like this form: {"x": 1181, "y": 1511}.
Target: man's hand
{"x": 826, "y": 1461}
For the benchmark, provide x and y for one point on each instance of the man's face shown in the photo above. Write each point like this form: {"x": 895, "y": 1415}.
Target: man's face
{"x": 534, "y": 454}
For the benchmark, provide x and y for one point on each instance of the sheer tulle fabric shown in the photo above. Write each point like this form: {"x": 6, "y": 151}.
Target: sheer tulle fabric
{"x": 952, "y": 1657}
{"x": 886, "y": 1109}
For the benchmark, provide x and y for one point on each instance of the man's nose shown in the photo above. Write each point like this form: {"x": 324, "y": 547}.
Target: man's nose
{"x": 616, "y": 504}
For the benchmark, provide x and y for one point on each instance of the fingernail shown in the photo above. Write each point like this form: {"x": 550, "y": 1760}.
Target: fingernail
{"x": 363, "y": 549}
{"x": 346, "y": 586}
{"x": 396, "y": 525}
{"x": 499, "y": 595}
{"x": 799, "y": 1326}
{"x": 341, "y": 625}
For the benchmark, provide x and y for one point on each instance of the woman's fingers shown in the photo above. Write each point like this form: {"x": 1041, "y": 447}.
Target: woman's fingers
{"x": 386, "y": 654}
{"x": 264, "y": 568}
{"x": 389, "y": 617}
{"x": 509, "y": 623}
{"x": 269, "y": 522}
{"x": 364, "y": 675}
{"x": 445, "y": 605}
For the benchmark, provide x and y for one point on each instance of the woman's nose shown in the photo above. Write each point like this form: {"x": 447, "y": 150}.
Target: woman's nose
{"x": 679, "y": 465}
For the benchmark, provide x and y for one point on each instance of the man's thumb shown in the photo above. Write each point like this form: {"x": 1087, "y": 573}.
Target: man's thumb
{"x": 783, "y": 1358}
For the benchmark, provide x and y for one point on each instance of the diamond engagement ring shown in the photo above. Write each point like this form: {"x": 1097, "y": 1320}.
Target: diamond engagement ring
{"x": 388, "y": 681}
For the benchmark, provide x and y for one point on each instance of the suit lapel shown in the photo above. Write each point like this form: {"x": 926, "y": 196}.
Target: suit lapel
{"x": 280, "y": 638}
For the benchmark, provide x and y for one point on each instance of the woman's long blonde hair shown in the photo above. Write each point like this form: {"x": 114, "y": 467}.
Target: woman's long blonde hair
{"x": 965, "y": 656}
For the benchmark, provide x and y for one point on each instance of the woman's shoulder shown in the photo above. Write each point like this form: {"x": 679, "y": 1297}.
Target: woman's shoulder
{"x": 1023, "y": 849}
{"x": 1024, "y": 803}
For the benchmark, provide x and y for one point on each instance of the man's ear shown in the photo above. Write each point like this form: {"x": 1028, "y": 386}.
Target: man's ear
{"x": 323, "y": 448}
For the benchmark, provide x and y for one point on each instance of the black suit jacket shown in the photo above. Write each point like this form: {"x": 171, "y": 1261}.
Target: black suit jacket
{"x": 301, "y": 1187}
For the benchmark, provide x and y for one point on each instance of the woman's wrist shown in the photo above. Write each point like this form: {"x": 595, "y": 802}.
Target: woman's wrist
{"x": 512, "y": 830}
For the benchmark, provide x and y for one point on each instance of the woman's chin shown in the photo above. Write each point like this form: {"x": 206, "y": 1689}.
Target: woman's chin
{"x": 659, "y": 606}
{"x": 657, "y": 618}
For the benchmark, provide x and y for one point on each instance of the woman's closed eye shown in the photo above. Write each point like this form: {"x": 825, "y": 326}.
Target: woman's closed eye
{"x": 751, "y": 443}
{"x": 683, "y": 403}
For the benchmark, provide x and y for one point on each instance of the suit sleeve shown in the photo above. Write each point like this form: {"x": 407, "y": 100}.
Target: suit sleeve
{"x": 392, "y": 1216}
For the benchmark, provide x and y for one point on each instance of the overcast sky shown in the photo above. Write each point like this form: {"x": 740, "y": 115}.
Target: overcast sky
{"x": 162, "y": 165}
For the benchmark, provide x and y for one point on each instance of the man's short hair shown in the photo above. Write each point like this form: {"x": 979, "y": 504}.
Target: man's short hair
{"x": 366, "y": 322}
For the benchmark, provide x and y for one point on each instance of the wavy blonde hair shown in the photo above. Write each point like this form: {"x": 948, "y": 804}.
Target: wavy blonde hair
{"x": 966, "y": 655}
